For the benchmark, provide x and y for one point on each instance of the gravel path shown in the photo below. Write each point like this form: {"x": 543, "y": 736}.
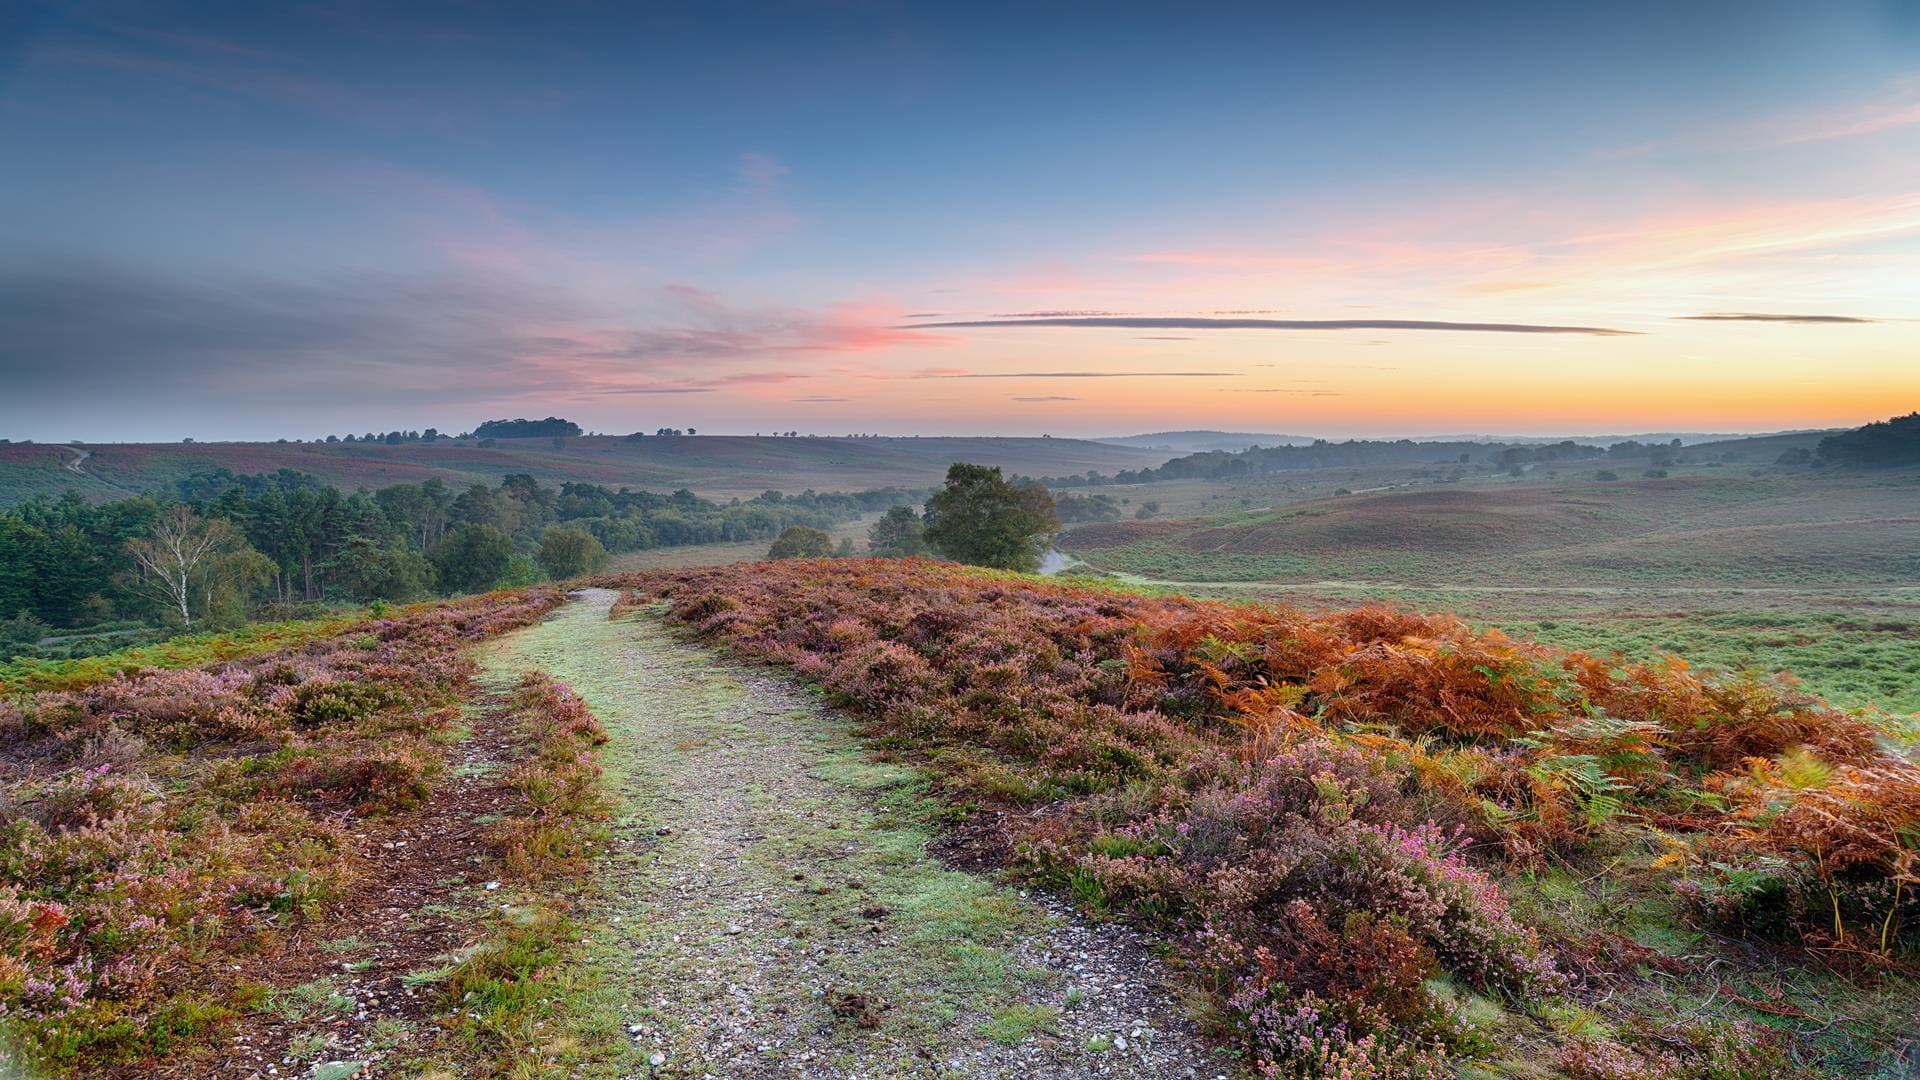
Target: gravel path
{"x": 772, "y": 910}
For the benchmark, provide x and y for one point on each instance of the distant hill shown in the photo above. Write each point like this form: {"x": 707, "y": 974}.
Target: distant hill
{"x": 718, "y": 466}
{"x": 1200, "y": 442}
{"x": 1194, "y": 442}
{"x": 1771, "y": 528}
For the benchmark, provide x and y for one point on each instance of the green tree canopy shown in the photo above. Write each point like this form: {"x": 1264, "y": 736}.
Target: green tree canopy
{"x": 1881, "y": 444}
{"x": 364, "y": 570}
{"x": 898, "y": 533}
{"x": 980, "y": 518}
{"x": 570, "y": 551}
{"x": 801, "y": 542}
{"x": 471, "y": 558}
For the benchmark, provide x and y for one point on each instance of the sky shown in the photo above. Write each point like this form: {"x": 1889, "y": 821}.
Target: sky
{"x": 263, "y": 220}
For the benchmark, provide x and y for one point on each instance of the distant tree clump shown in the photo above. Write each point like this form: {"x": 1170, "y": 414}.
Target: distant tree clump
{"x": 801, "y": 542}
{"x": 1882, "y": 444}
{"x": 981, "y": 518}
{"x": 1073, "y": 508}
{"x": 527, "y": 429}
{"x": 898, "y": 533}
{"x": 1606, "y": 474}
{"x": 569, "y": 551}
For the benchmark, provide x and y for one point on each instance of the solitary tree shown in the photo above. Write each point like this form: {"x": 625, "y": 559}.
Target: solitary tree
{"x": 980, "y": 518}
{"x": 801, "y": 542}
{"x": 897, "y": 533}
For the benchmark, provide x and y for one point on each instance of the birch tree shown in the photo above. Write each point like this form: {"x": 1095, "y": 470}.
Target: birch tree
{"x": 177, "y": 554}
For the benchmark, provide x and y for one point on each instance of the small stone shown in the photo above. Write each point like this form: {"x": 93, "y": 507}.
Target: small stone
{"x": 658, "y": 1059}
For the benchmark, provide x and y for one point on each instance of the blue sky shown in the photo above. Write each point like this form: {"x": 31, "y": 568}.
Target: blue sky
{"x": 262, "y": 220}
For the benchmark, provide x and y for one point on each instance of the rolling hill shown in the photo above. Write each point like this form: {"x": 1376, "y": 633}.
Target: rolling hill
{"x": 1791, "y": 528}
{"x": 712, "y": 465}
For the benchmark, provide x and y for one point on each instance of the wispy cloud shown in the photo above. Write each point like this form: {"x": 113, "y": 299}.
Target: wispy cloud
{"x": 1046, "y": 397}
{"x": 1754, "y": 316}
{"x": 1132, "y": 322}
{"x": 1896, "y": 106}
{"x": 821, "y": 399}
{"x": 420, "y": 337}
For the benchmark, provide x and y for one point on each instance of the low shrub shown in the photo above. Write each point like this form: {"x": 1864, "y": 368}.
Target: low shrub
{"x": 154, "y": 818}
{"x": 1316, "y": 805}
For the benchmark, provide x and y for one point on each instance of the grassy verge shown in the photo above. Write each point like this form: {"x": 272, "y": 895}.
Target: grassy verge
{"x": 521, "y": 1002}
{"x": 30, "y": 675}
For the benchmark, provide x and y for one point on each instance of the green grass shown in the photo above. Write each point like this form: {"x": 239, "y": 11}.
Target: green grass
{"x": 1020, "y": 1022}
{"x": 188, "y": 650}
{"x": 1850, "y": 659}
{"x": 307, "y": 1001}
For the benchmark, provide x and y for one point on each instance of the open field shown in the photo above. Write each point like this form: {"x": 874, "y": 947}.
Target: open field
{"x": 1703, "y": 528}
{"x": 717, "y": 466}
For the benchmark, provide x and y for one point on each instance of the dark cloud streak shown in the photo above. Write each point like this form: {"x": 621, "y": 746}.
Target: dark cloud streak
{"x": 1755, "y": 316}
{"x": 1132, "y": 322}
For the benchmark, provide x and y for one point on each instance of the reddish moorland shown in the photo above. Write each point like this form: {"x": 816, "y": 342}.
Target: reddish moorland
{"x": 159, "y": 822}
{"x": 1337, "y": 817}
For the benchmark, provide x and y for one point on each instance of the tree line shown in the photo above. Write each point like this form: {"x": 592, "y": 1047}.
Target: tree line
{"x": 978, "y": 517}
{"x": 288, "y": 537}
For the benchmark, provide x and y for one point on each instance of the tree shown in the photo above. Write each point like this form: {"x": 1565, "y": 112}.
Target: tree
{"x": 364, "y": 570}
{"x": 176, "y": 555}
{"x": 521, "y": 571}
{"x": 1882, "y": 444}
{"x": 980, "y": 518}
{"x": 569, "y": 551}
{"x": 471, "y": 558}
{"x": 526, "y": 429}
{"x": 897, "y": 533}
{"x": 235, "y": 574}
{"x": 801, "y": 542}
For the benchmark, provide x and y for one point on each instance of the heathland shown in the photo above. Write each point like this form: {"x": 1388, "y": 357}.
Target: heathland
{"x": 1357, "y": 760}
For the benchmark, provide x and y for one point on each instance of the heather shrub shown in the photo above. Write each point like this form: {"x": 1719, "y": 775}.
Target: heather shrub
{"x": 156, "y": 816}
{"x": 1315, "y": 804}
{"x": 558, "y": 782}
